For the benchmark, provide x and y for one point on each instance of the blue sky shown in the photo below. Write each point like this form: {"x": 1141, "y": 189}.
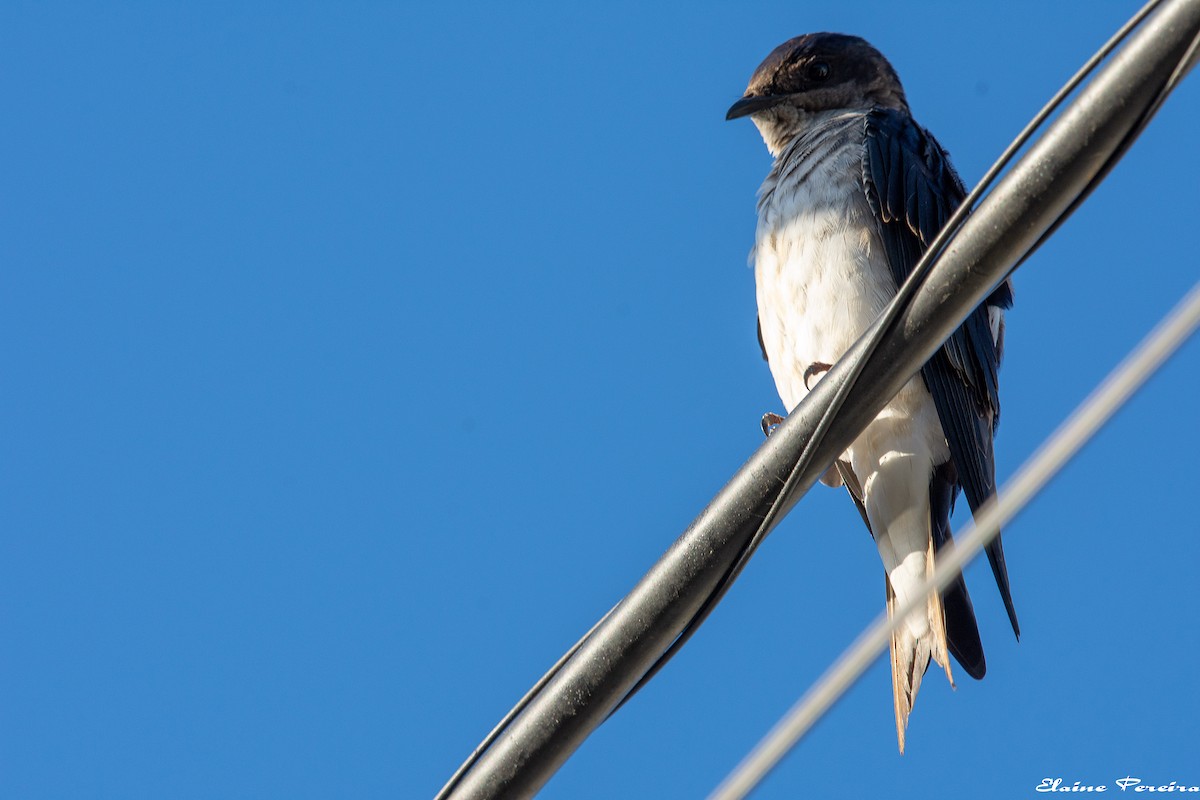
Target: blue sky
{"x": 359, "y": 356}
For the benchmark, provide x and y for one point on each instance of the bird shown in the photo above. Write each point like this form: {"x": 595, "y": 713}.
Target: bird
{"x": 856, "y": 193}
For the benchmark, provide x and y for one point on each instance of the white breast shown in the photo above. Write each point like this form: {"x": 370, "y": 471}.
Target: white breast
{"x": 822, "y": 278}
{"x": 814, "y": 267}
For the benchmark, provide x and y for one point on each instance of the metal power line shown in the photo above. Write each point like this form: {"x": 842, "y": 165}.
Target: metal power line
{"x": 630, "y": 642}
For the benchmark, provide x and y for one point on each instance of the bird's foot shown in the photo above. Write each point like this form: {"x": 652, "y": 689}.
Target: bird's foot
{"x": 813, "y": 369}
{"x": 770, "y": 422}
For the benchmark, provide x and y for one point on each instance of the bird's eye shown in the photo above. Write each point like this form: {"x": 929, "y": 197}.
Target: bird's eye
{"x": 818, "y": 71}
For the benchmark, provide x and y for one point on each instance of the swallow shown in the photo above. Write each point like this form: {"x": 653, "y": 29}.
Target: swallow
{"x": 855, "y": 195}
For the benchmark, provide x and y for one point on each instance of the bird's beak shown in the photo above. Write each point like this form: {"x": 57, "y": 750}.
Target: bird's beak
{"x": 751, "y": 104}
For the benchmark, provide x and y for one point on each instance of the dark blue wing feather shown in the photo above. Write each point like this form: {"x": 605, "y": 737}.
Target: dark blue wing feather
{"x": 913, "y": 190}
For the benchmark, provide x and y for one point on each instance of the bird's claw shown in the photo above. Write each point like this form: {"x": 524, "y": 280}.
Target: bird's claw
{"x": 769, "y": 422}
{"x": 813, "y": 369}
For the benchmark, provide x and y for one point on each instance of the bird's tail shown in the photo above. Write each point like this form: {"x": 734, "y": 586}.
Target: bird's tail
{"x": 911, "y": 653}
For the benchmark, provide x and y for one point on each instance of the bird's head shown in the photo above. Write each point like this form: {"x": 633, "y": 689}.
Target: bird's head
{"x": 813, "y": 73}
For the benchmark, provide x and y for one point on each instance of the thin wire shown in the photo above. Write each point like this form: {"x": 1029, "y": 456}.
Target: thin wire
{"x": 1062, "y": 446}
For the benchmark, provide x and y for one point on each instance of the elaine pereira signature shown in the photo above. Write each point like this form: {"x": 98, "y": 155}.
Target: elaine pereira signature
{"x": 1126, "y": 784}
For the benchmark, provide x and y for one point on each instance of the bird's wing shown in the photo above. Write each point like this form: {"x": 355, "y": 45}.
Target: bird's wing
{"x": 913, "y": 190}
